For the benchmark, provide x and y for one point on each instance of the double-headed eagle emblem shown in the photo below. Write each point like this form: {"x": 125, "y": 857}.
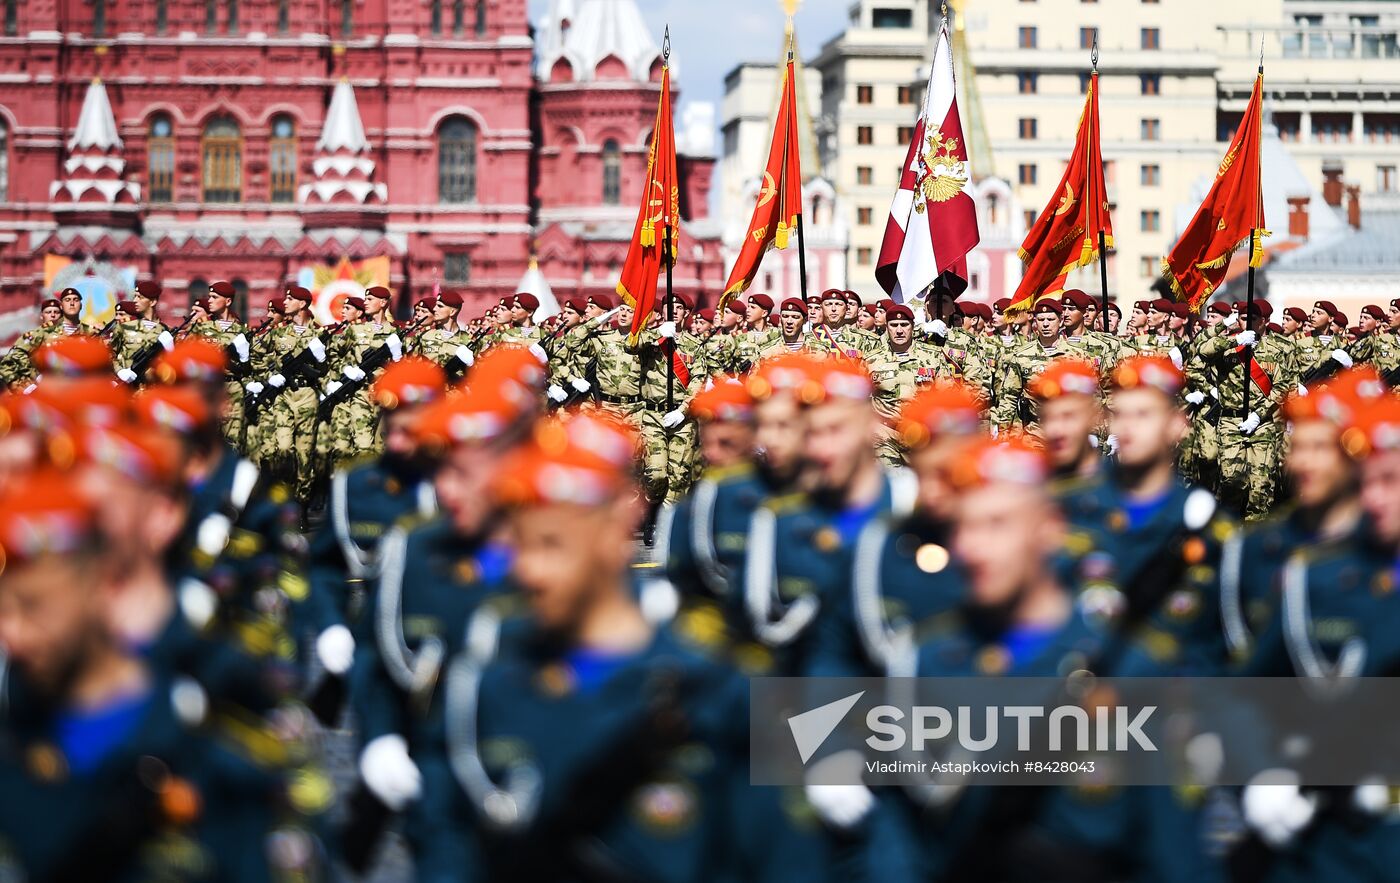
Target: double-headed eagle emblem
{"x": 947, "y": 174}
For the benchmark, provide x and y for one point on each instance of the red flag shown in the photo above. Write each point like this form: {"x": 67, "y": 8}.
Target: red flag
{"x": 1066, "y": 236}
{"x": 660, "y": 209}
{"x": 1232, "y": 215}
{"x": 777, "y": 209}
{"x": 933, "y": 220}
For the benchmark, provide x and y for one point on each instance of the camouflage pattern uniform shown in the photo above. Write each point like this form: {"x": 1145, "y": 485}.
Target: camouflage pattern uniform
{"x": 285, "y": 428}
{"x": 130, "y": 338}
{"x": 750, "y": 346}
{"x": 222, "y": 333}
{"x": 17, "y": 366}
{"x": 1013, "y": 407}
{"x": 897, "y": 378}
{"x": 352, "y": 430}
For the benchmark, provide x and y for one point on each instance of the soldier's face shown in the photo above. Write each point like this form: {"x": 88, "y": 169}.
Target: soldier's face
{"x": 930, "y": 464}
{"x": 1290, "y": 325}
{"x": 881, "y": 317}
{"x": 1380, "y": 495}
{"x": 701, "y": 326}
{"x": 571, "y": 317}
{"x": 1321, "y": 320}
{"x": 1318, "y": 468}
{"x": 348, "y": 313}
{"x": 1177, "y": 323}
{"x": 1065, "y": 424}
{"x": 780, "y": 429}
{"x": 731, "y": 319}
{"x": 1367, "y": 322}
{"x": 142, "y": 302}
{"x": 51, "y": 619}
{"x": 567, "y": 557}
{"x": 72, "y": 306}
{"x": 791, "y": 322}
{"x": 726, "y": 442}
{"x": 375, "y": 305}
{"x": 51, "y": 315}
{"x": 900, "y": 330}
{"x": 519, "y": 314}
{"x": 1113, "y": 320}
{"x": 814, "y": 314}
{"x": 1138, "y": 318}
{"x": 442, "y": 312}
{"x": 1147, "y": 424}
{"x": 1156, "y": 318}
{"x": 217, "y": 303}
{"x": 865, "y": 321}
{"x": 1047, "y": 324}
{"x": 592, "y": 311}
{"x": 624, "y": 316}
{"x": 1003, "y": 535}
{"x": 852, "y": 310}
{"x": 840, "y": 439}
{"x": 461, "y": 483}
{"x": 1073, "y": 316}
{"x": 1395, "y": 317}
{"x": 682, "y": 315}
{"x": 753, "y": 314}
{"x": 833, "y": 311}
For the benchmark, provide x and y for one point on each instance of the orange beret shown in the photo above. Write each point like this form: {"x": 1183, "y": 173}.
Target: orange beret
{"x": 785, "y": 372}
{"x": 413, "y": 380}
{"x": 1340, "y": 400}
{"x": 568, "y": 466}
{"x": 727, "y": 399}
{"x": 985, "y": 462}
{"x": 1065, "y": 376}
{"x": 44, "y": 513}
{"x": 86, "y": 401}
{"x": 477, "y": 416}
{"x": 1153, "y": 372}
{"x": 174, "y": 409}
{"x": 517, "y": 364}
{"x": 938, "y": 411}
{"x": 192, "y": 359}
{"x": 73, "y": 356}
{"x": 1377, "y": 428}
{"x": 844, "y": 379}
{"x": 601, "y": 432}
{"x": 141, "y": 454}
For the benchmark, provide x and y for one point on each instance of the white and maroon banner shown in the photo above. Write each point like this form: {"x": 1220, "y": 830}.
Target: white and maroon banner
{"x": 933, "y": 220}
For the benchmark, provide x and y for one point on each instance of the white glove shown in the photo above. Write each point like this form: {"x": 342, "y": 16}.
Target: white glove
{"x": 1250, "y": 423}
{"x": 1110, "y": 444}
{"x": 1093, "y": 441}
{"x": 395, "y": 347}
{"x": 1302, "y": 389}
{"x": 995, "y": 431}
{"x": 29, "y": 389}
{"x": 1195, "y": 397}
{"x": 126, "y": 375}
{"x": 556, "y": 393}
{"x": 277, "y": 381}
{"x": 580, "y": 384}
{"x": 1215, "y": 392}
{"x": 353, "y": 372}
{"x": 254, "y": 387}
{"x": 1177, "y": 360}
{"x": 841, "y": 806}
{"x": 1277, "y": 812}
{"x": 937, "y": 328}
{"x": 667, "y": 330}
{"x": 1246, "y": 338}
{"x": 166, "y": 342}
{"x": 1233, "y": 319}
{"x": 333, "y": 386}
{"x": 673, "y": 419}
{"x": 390, "y": 773}
{"x": 318, "y": 349}
{"x": 335, "y": 647}
{"x": 1342, "y": 357}
{"x": 465, "y": 356}
{"x": 538, "y": 352}
{"x": 240, "y": 346}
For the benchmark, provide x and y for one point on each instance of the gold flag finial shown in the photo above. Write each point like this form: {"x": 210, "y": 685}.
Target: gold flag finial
{"x": 790, "y": 7}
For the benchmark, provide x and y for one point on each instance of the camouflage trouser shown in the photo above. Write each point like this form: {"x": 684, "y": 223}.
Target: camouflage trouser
{"x": 351, "y": 432}
{"x": 1249, "y": 467}
{"x": 285, "y": 438}
{"x": 233, "y": 413}
{"x": 668, "y": 464}
{"x": 1200, "y": 453}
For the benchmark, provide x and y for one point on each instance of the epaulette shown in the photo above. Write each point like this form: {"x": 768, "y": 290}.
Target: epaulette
{"x": 1068, "y": 485}
{"x": 784, "y": 503}
{"x": 411, "y": 521}
{"x": 364, "y": 459}
{"x": 719, "y": 474}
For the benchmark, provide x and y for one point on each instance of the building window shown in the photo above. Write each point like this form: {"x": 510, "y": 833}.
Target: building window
{"x": 1150, "y": 221}
{"x": 1151, "y": 38}
{"x": 198, "y": 288}
{"x": 863, "y": 257}
{"x": 1151, "y": 84}
{"x": 1028, "y": 216}
{"x": 1026, "y": 173}
{"x": 11, "y": 17}
{"x": 1385, "y": 175}
{"x": 459, "y": 17}
{"x": 1025, "y": 37}
{"x": 865, "y": 176}
{"x": 865, "y": 135}
{"x": 1147, "y": 266}
{"x": 284, "y": 16}
{"x": 906, "y": 94}
{"x": 240, "y": 297}
{"x": 456, "y": 267}
{"x": 1085, "y": 81}
{"x": 222, "y": 149}
{"x": 612, "y": 173}
{"x": 233, "y": 16}
{"x": 347, "y": 17}
{"x": 211, "y": 16}
{"x": 457, "y": 161}
{"x": 863, "y": 216}
{"x": 1152, "y": 130}
{"x": 892, "y": 18}
{"x": 1027, "y": 128}
{"x": 435, "y": 18}
{"x": 160, "y": 161}
{"x": 1027, "y": 83}
{"x": 1151, "y": 175}
{"x": 99, "y": 18}
{"x": 4, "y": 162}
{"x": 1086, "y": 37}
{"x": 865, "y": 94}
{"x": 282, "y": 159}
{"x": 481, "y": 18}
{"x": 906, "y": 134}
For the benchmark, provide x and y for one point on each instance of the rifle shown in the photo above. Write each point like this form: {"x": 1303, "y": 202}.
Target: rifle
{"x": 299, "y": 369}
{"x": 1391, "y": 377}
{"x": 377, "y": 358}
{"x": 150, "y": 351}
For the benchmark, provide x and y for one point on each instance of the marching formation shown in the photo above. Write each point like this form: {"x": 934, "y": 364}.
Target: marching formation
{"x": 526, "y": 570}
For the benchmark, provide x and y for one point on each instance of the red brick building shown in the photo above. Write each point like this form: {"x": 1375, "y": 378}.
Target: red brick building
{"x": 268, "y": 140}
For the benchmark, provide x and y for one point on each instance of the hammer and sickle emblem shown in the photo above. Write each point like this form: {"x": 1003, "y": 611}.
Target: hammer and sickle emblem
{"x": 658, "y": 203}
{"x": 1067, "y": 201}
{"x": 769, "y": 190}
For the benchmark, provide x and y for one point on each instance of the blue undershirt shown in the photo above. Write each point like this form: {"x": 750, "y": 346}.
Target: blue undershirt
{"x": 494, "y": 562}
{"x": 87, "y": 737}
{"x": 1026, "y": 643}
{"x": 849, "y": 522}
{"x": 593, "y": 668}
{"x": 1140, "y": 512}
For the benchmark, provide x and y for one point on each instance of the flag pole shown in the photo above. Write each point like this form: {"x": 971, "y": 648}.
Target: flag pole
{"x": 1248, "y": 353}
{"x": 801, "y": 236}
{"x": 1103, "y": 242}
{"x": 670, "y": 317}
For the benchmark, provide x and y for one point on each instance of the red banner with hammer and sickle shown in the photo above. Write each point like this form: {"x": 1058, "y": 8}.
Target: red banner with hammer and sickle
{"x": 660, "y": 209}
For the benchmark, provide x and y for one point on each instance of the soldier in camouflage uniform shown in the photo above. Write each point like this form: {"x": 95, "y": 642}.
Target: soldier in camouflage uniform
{"x": 792, "y": 316}
{"x": 130, "y": 339}
{"x": 222, "y": 327}
{"x": 758, "y": 336}
{"x": 834, "y": 336}
{"x": 1104, "y": 350}
{"x": 443, "y": 340}
{"x": 285, "y": 426}
{"x": 722, "y": 347}
{"x": 351, "y": 429}
{"x": 1250, "y": 439}
{"x": 1014, "y": 408}
{"x": 17, "y": 367}
{"x": 1378, "y": 346}
{"x": 898, "y": 371}
{"x": 1155, "y": 335}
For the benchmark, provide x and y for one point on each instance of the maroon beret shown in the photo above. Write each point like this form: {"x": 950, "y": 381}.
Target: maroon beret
{"x": 1327, "y": 307}
{"x": 1297, "y": 314}
{"x": 684, "y": 300}
{"x": 223, "y": 288}
{"x": 1161, "y": 305}
{"x": 852, "y": 297}
{"x": 1257, "y": 308}
{"x": 1075, "y": 297}
{"x": 128, "y": 308}
{"x": 761, "y": 300}
{"x": 707, "y": 314}
{"x": 814, "y": 299}
{"x": 378, "y": 291}
{"x": 833, "y": 294}
{"x": 1220, "y": 308}
{"x": 899, "y": 311}
{"x": 356, "y": 302}
{"x": 1339, "y": 317}
{"x": 577, "y": 304}
{"x": 450, "y": 298}
{"x": 885, "y": 303}
{"x": 1047, "y": 305}
{"x": 73, "y": 291}
{"x": 527, "y": 301}
{"x": 49, "y": 302}
{"x": 1181, "y": 311}
{"x": 869, "y": 310}
{"x": 793, "y": 303}
{"x": 148, "y": 289}
{"x": 602, "y": 301}
{"x": 735, "y": 306}
{"x": 428, "y": 303}
{"x": 301, "y": 294}
{"x": 1274, "y": 328}
{"x": 1374, "y": 311}
{"x": 1113, "y": 308}
{"x": 275, "y": 306}
{"x": 1001, "y": 304}
{"x": 203, "y": 304}
{"x": 1395, "y": 304}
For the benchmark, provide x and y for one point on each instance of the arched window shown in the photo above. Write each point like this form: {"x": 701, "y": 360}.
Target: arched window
{"x": 481, "y": 18}
{"x": 160, "y": 160}
{"x": 459, "y": 17}
{"x": 4, "y": 162}
{"x": 99, "y": 18}
{"x": 457, "y": 161}
{"x": 284, "y": 16}
{"x": 211, "y": 16}
{"x": 222, "y": 149}
{"x": 612, "y": 173}
{"x": 162, "y": 16}
{"x": 282, "y": 159}
{"x": 11, "y": 17}
{"x": 233, "y": 16}
{"x": 240, "y": 297}
{"x": 347, "y": 17}
{"x": 198, "y": 288}
{"x": 435, "y": 18}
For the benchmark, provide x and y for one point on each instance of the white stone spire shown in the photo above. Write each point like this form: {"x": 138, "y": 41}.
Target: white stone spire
{"x": 343, "y": 171}
{"x": 93, "y": 172}
{"x": 598, "y": 29}
{"x": 533, "y": 282}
